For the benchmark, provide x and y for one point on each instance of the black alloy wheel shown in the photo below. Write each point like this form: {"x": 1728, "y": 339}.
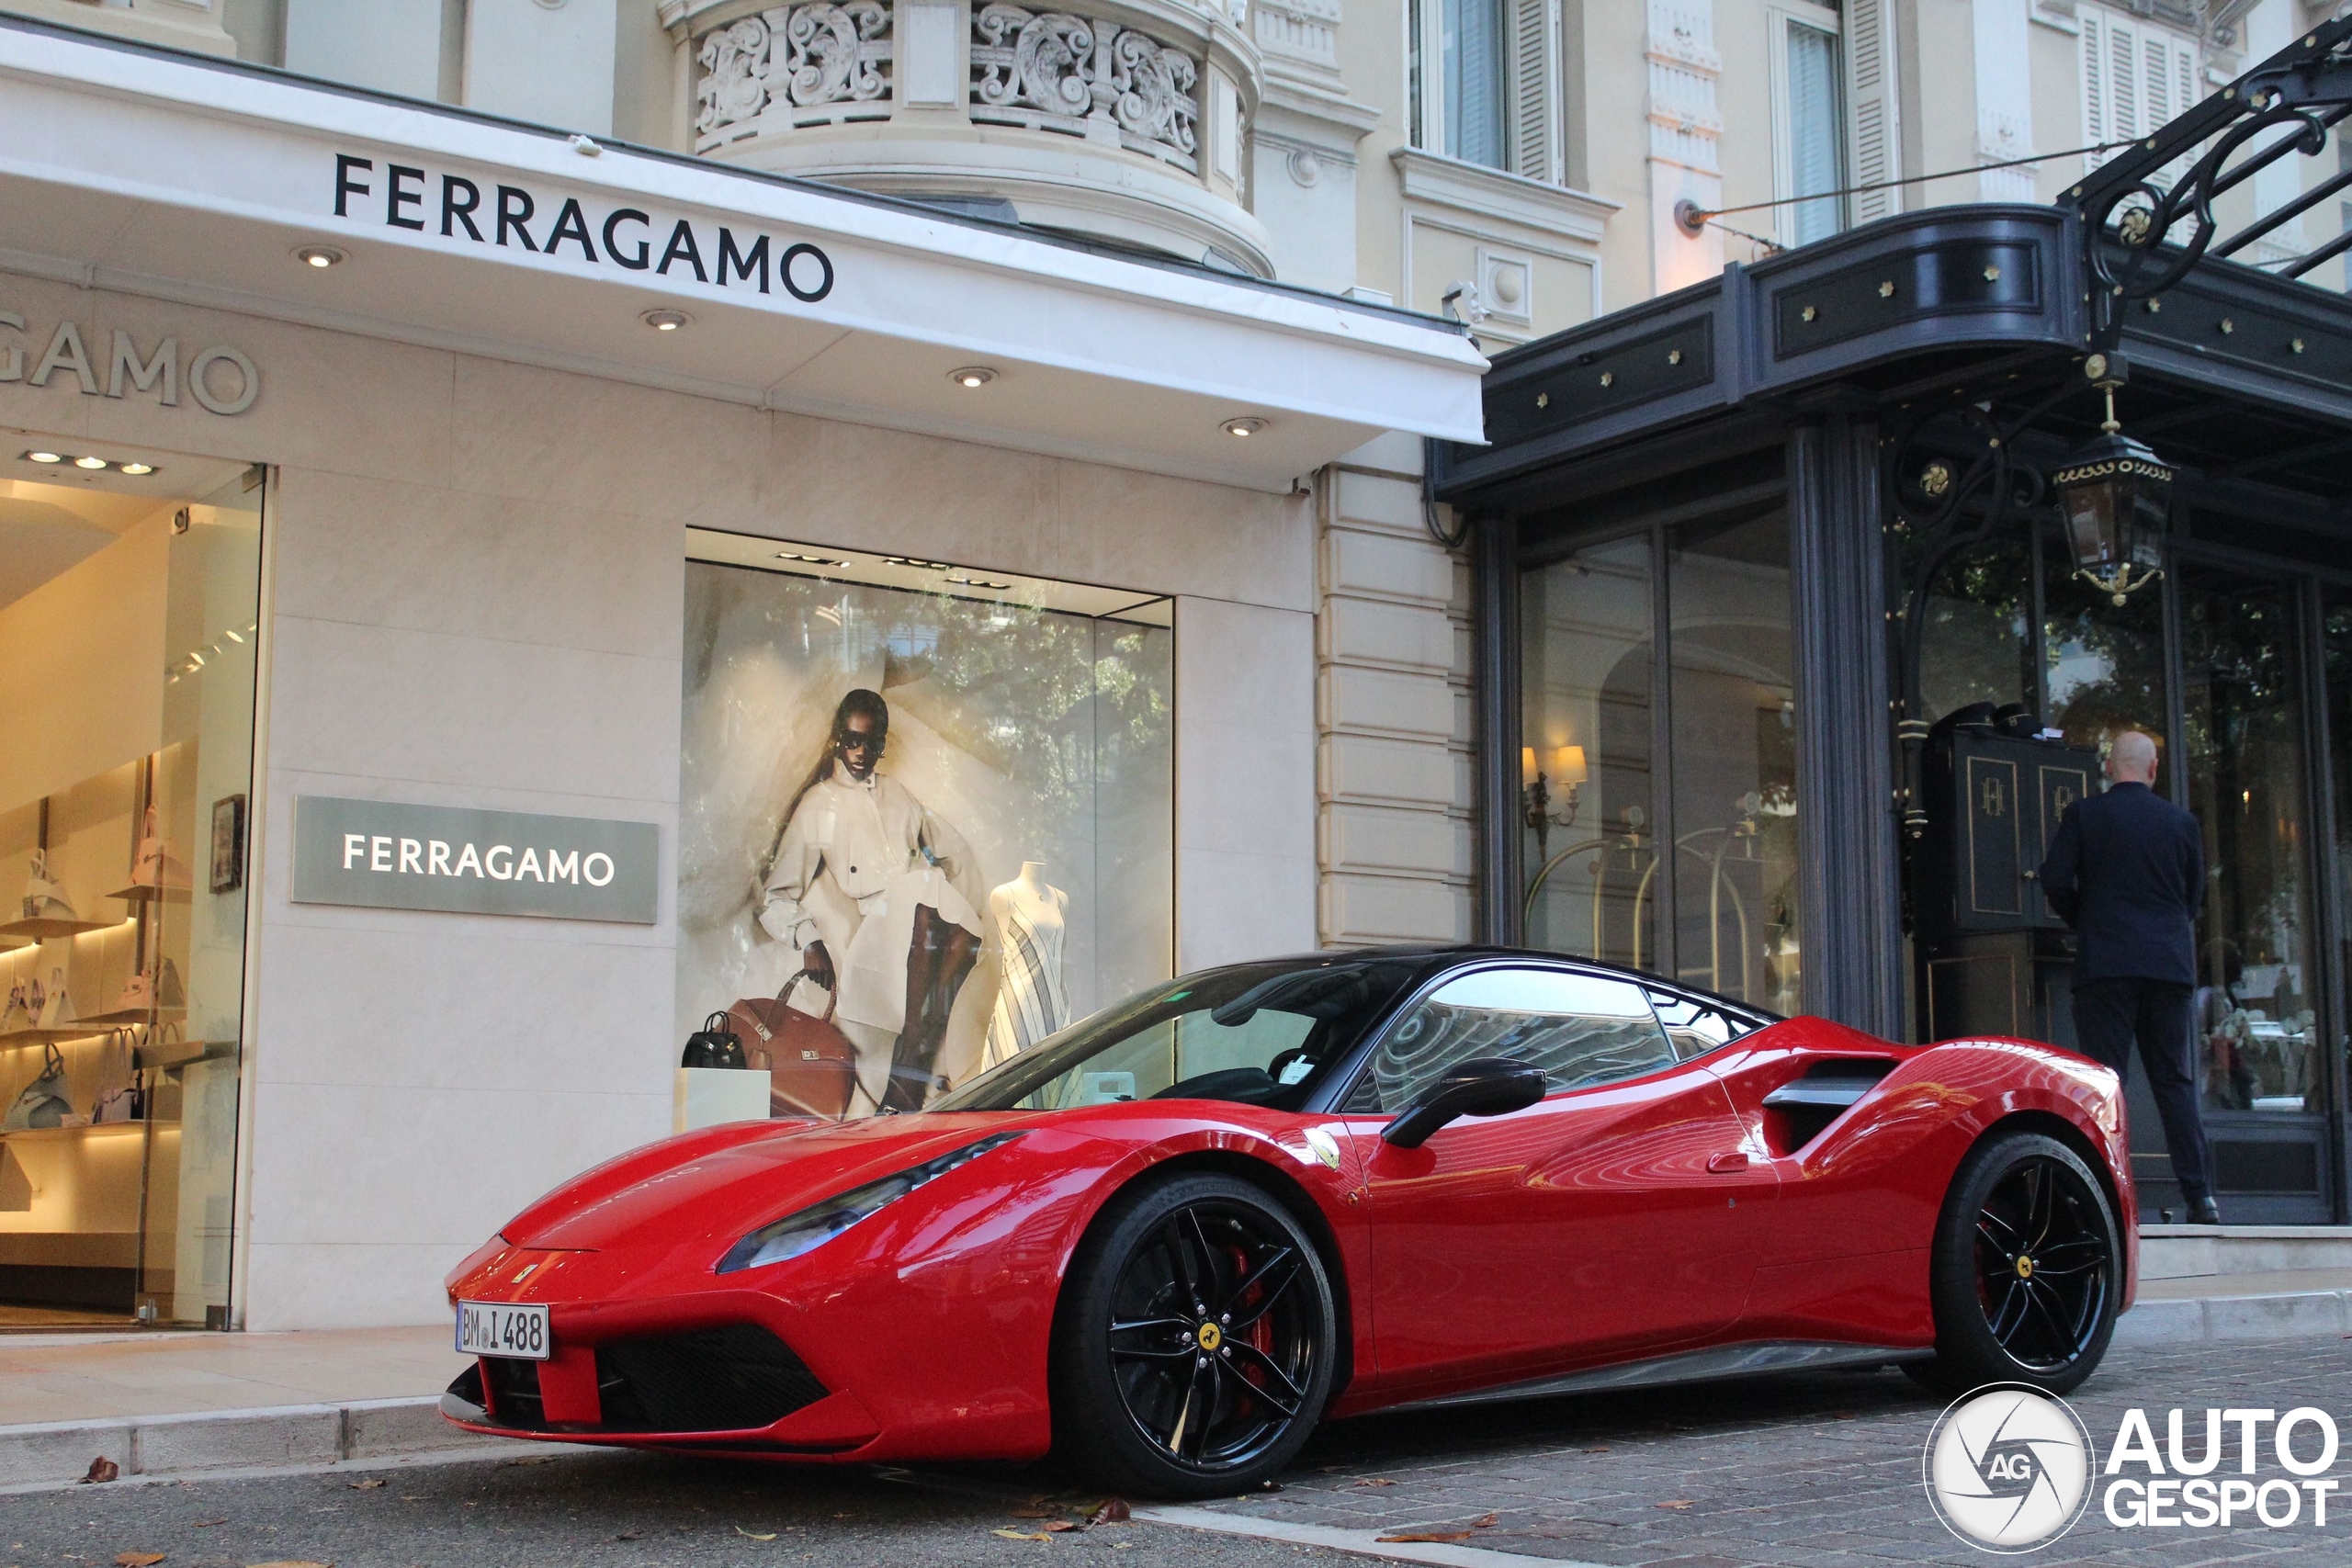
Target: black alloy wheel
{"x": 2027, "y": 1271}
{"x": 1196, "y": 1347}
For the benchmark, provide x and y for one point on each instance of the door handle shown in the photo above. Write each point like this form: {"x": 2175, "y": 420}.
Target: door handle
{"x": 1735, "y": 1160}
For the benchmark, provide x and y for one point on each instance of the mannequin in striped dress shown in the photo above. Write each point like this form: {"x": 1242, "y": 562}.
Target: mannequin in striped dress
{"x": 1031, "y": 1001}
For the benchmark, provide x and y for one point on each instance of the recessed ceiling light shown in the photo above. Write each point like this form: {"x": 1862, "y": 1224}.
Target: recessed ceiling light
{"x": 811, "y": 560}
{"x": 665, "y": 320}
{"x": 1244, "y": 426}
{"x": 321, "y": 255}
{"x": 89, "y": 462}
{"x": 972, "y": 376}
{"x": 45, "y": 457}
{"x": 139, "y": 467}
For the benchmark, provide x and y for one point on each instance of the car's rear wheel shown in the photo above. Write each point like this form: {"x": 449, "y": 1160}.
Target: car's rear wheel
{"x": 2027, "y": 1273}
{"x": 1194, "y": 1347}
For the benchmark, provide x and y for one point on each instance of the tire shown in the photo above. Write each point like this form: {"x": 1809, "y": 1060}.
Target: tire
{"x": 1141, "y": 1407}
{"x": 2027, "y": 1272}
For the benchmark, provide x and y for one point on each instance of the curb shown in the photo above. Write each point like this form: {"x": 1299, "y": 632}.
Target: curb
{"x": 2216, "y": 1320}
{"x": 297, "y": 1437}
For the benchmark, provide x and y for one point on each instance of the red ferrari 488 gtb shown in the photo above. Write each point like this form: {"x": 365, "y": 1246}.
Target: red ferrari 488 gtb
{"x": 1171, "y": 1238}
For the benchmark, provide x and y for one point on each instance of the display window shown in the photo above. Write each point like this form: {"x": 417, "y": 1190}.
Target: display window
{"x": 129, "y": 624}
{"x": 925, "y": 817}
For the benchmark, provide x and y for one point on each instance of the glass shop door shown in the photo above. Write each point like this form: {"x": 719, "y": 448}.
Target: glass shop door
{"x": 2245, "y": 756}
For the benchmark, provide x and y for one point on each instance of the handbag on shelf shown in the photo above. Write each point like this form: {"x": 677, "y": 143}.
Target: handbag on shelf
{"x": 41, "y": 1103}
{"x": 169, "y": 992}
{"x": 812, "y": 1068}
{"x": 138, "y": 993}
{"x": 122, "y": 1092}
{"x": 44, "y": 895}
{"x": 18, "y": 1015}
{"x": 155, "y": 865}
{"x": 714, "y": 1045}
{"x": 58, "y": 1010}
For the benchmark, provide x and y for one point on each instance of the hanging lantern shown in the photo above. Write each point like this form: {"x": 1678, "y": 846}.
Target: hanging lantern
{"x": 2116, "y": 496}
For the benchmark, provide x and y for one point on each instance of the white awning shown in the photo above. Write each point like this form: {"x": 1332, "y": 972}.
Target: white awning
{"x": 168, "y": 175}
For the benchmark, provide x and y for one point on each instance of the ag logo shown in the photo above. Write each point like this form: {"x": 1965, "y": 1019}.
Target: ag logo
{"x": 2008, "y": 1468}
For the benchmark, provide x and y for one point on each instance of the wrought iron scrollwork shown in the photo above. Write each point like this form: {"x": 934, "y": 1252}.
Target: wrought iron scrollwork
{"x": 2130, "y": 208}
{"x": 1952, "y": 495}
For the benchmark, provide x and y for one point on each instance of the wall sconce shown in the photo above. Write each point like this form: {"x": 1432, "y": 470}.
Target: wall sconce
{"x": 1567, "y": 770}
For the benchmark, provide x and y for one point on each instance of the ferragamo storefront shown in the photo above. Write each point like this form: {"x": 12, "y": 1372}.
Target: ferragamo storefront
{"x": 474, "y": 602}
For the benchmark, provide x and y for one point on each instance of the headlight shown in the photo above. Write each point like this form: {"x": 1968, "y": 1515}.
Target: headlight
{"x": 811, "y": 1227}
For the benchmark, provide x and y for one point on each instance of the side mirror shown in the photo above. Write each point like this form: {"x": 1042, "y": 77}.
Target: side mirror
{"x": 1488, "y": 1086}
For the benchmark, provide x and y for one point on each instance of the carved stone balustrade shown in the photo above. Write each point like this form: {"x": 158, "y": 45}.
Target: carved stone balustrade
{"x": 1121, "y": 119}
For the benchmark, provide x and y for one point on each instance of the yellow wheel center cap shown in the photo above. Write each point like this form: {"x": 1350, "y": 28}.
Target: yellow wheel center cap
{"x": 2025, "y": 1268}
{"x": 1211, "y": 1337}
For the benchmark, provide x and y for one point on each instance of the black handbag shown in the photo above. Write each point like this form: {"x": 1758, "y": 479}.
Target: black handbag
{"x": 714, "y": 1045}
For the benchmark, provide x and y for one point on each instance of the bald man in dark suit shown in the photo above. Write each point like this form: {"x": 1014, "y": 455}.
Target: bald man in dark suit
{"x": 2126, "y": 870}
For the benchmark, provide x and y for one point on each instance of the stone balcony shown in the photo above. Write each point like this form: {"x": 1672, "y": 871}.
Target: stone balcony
{"x": 1125, "y": 120}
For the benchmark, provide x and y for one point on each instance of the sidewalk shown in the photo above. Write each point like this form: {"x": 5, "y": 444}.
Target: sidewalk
{"x": 171, "y": 1404}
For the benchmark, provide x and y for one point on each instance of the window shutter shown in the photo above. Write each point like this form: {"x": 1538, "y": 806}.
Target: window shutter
{"x": 1874, "y": 142}
{"x": 2095, "y": 113}
{"x": 1535, "y": 89}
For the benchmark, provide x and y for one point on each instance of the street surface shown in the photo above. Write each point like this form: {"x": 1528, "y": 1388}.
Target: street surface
{"x": 1821, "y": 1471}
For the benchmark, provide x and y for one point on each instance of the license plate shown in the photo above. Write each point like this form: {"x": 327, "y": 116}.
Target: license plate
{"x": 501, "y": 1328}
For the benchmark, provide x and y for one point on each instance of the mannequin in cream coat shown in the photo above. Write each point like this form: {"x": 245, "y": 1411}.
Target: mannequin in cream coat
{"x": 859, "y": 857}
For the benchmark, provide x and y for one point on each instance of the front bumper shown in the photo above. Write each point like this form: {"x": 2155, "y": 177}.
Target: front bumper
{"x": 736, "y": 1387}
{"x": 816, "y": 1361}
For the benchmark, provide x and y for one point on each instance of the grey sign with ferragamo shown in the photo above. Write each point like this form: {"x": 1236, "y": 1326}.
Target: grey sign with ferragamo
{"x": 385, "y": 854}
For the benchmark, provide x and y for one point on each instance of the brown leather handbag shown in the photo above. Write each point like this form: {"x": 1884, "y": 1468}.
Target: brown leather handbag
{"x": 812, "y": 1068}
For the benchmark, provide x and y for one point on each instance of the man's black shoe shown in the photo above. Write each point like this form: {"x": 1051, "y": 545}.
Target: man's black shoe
{"x": 2205, "y": 1212}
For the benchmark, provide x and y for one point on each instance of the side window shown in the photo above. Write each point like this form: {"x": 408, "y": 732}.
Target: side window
{"x": 1696, "y": 1027}
{"x": 1582, "y": 1030}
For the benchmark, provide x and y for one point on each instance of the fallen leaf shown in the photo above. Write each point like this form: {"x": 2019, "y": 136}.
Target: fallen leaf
{"x": 629, "y": 1535}
{"x": 1602, "y": 1449}
{"x": 1429, "y": 1536}
{"x": 1841, "y": 1416}
{"x": 1059, "y": 1526}
{"x": 1679, "y": 1502}
{"x": 1033, "y": 1513}
{"x": 1375, "y": 1480}
{"x": 102, "y": 1469}
{"x": 207, "y": 1524}
{"x": 1485, "y": 1521}
{"x": 137, "y": 1559}
{"x": 750, "y": 1535}
{"x": 1018, "y": 1534}
{"x": 1112, "y": 1511}
{"x": 365, "y": 1485}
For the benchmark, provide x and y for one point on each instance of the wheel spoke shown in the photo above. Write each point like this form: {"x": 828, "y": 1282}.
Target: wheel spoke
{"x": 1188, "y": 1287}
{"x": 2065, "y": 1339}
{"x": 1280, "y": 1268}
{"x": 1290, "y": 1395}
{"x": 1145, "y": 1326}
{"x": 1205, "y": 1289}
{"x": 2007, "y": 1249}
{"x": 2008, "y": 1231}
{"x": 2041, "y": 1201}
{"x": 2001, "y": 1316}
{"x": 1208, "y": 1382}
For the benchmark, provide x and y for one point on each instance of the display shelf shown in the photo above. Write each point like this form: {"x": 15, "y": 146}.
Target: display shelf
{"x": 136, "y": 1015}
{"x": 173, "y": 1054}
{"x": 153, "y": 892}
{"x": 42, "y": 928}
{"x": 42, "y": 1134}
{"x": 77, "y": 1030}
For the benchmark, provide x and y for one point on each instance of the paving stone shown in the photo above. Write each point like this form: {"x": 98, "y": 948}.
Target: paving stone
{"x": 1799, "y": 1471}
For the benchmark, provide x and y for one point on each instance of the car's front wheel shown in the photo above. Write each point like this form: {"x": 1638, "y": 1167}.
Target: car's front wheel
{"x": 1195, "y": 1343}
{"x": 2027, "y": 1273}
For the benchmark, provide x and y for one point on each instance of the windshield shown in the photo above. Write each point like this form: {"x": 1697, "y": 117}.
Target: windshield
{"x": 1259, "y": 1033}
